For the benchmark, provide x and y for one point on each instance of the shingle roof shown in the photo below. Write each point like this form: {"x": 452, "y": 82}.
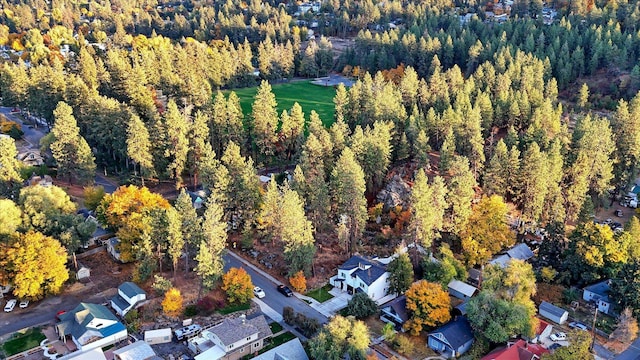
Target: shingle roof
{"x": 462, "y": 287}
{"x": 457, "y": 332}
{"x": 552, "y": 309}
{"x": 601, "y": 289}
{"x": 130, "y": 289}
{"x": 521, "y": 252}
{"x": 120, "y": 302}
{"x": 371, "y": 274}
{"x": 230, "y": 331}
{"x": 75, "y": 322}
{"x": 291, "y": 350}
{"x": 501, "y": 260}
{"x": 399, "y": 306}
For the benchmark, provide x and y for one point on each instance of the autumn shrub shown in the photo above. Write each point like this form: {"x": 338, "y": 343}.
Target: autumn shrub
{"x": 298, "y": 282}
{"x": 191, "y": 310}
{"x": 403, "y": 344}
{"x": 172, "y": 303}
{"x": 160, "y": 284}
{"x": 288, "y": 315}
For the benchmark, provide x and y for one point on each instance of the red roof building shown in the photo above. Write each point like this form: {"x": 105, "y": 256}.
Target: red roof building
{"x": 520, "y": 350}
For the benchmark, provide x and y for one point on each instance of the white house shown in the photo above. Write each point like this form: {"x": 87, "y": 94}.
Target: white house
{"x": 112, "y": 247}
{"x": 129, "y": 294}
{"x": 91, "y": 326}
{"x": 231, "y": 339}
{"x": 599, "y": 294}
{"x": 363, "y": 274}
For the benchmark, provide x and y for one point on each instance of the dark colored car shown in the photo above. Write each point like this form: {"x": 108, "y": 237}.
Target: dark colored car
{"x": 554, "y": 346}
{"x": 284, "y": 290}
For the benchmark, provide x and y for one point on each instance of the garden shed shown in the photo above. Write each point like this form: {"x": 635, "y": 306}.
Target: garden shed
{"x": 553, "y": 313}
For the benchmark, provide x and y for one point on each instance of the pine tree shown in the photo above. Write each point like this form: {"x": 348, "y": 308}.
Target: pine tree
{"x": 496, "y": 173}
{"x": 178, "y": 144}
{"x": 9, "y": 164}
{"x": 198, "y": 144}
{"x": 175, "y": 239}
{"x": 533, "y": 183}
{"x": 428, "y": 205}
{"x": 265, "y": 120}
{"x": 242, "y": 195}
{"x": 461, "y": 186}
{"x": 191, "y": 224}
{"x": 214, "y": 228}
{"x": 139, "y": 146}
{"x": 69, "y": 149}
{"x": 297, "y": 234}
{"x": 292, "y": 131}
{"x": 347, "y": 189}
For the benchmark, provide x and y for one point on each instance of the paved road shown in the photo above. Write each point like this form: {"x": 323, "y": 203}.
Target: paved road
{"x": 45, "y": 311}
{"x": 273, "y": 298}
{"x": 632, "y": 352}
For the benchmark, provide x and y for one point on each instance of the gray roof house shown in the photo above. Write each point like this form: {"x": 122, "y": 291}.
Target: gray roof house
{"x": 395, "y": 311}
{"x": 599, "y": 294}
{"x": 291, "y": 350}
{"x": 461, "y": 290}
{"x": 91, "y": 326}
{"x": 452, "y": 339}
{"x": 520, "y": 251}
{"x": 231, "y": 339}
{"x": 129, "y": 294}
{"x": 138, "y": 350}
{"x": 553, "y": 313}
{"x": 364, "y": 274}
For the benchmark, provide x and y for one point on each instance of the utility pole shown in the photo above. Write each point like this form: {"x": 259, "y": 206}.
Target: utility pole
{"x": 593, "y": 329}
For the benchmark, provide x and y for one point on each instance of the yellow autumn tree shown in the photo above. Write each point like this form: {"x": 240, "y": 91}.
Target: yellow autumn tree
{"x": 298, "y": 282}
{"x": 428, "y": 305}
{"x": 126, "y": 211}
{"x": 34, "y": 264}
{"x": 172, "y": 303}
{"x": 237, "y": 283}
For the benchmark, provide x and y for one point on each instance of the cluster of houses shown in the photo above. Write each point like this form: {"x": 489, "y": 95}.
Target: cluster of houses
{"x": 370, "y": 275}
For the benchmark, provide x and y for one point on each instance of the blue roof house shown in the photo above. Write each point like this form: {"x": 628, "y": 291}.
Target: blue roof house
{"x": 599, "y": 294}
{"x": 452, "y": 339}
{"x": 91, "y": 326}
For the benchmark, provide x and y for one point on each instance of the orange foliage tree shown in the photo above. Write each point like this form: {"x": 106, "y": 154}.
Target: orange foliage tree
{"x": 298, "y": 282}
{"x": 428, "y": 304}
{"x": 126, "y": 211}
{"x": 237, "y": 283}
{"x": 172, "y": 303}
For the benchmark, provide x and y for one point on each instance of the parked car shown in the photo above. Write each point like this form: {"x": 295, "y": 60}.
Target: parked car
{"x": 559, "y": 336}
{"x": 258, "y": 292}
{"x": 619, "y": 213}
{"x": 284, "y": 290}
{"x": 554, "y": 346}
{"x": 24, "y": 304}
{"x": 577, "y": 325}
{"x": 60, "y": 313}
{"x": 10, "y": 305}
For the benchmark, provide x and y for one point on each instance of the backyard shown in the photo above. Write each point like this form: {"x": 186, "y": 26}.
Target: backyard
{"x": 22, "y": 342}
{"x": 309, "y": 96}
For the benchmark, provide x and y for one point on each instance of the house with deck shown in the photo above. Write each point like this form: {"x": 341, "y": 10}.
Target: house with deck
{"x": 128, "y": 296}
{"x": 90, "y": 326}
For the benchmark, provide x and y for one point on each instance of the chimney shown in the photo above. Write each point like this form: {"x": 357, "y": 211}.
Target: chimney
{"x": 243, "y": 318}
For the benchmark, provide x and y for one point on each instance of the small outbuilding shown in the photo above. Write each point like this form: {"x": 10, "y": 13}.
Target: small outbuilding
{"x": 159, "y": 336}
{"x": 83, "y": 272}
{"x": 461, "y": 290}
{"x": 553, "y": 313}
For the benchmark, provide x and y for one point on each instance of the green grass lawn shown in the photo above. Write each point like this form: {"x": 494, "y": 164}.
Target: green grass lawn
{"x": 275, "y": 327}
{"x": 309, "y": 96}
{"x": 233, "y": 308}
{"x": 23, "y": 342}
{"x": 321, "y": 294}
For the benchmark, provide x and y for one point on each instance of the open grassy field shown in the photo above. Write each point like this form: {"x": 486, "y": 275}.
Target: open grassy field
{"x": 23, "y": 342}
{"x": 309, "y": 96}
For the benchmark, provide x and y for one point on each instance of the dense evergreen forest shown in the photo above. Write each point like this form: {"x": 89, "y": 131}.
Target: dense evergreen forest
{"x": 483, "y": 113}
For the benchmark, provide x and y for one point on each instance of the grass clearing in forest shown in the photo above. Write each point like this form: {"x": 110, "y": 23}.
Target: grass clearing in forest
{"x": 308, "y": 95}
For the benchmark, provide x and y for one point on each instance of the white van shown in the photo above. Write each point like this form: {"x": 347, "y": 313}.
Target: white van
{"x": 10, "y": 305}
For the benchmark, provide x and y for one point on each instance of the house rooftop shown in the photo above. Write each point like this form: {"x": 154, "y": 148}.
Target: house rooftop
{"x": 520, "y": 350}
{"x": 291, "y": 350}
{"x": 368, "y": 270}
{"x": 552, "y": 309}
{"x": 456, "y": 332}
{"x": 130, "y": 289}
{"x": 601, "y": 289}
{"x": 462, "y": 287}
{"x": 230, "y": 331}
{"x": 76, "y": 321}
{"x": 520, "y": 252}
{"x": 138, "y": 350}
{"x": 399, "y": 306}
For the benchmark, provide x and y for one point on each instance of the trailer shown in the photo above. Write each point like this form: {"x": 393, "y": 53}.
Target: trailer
{"x": 159, "y": 336}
